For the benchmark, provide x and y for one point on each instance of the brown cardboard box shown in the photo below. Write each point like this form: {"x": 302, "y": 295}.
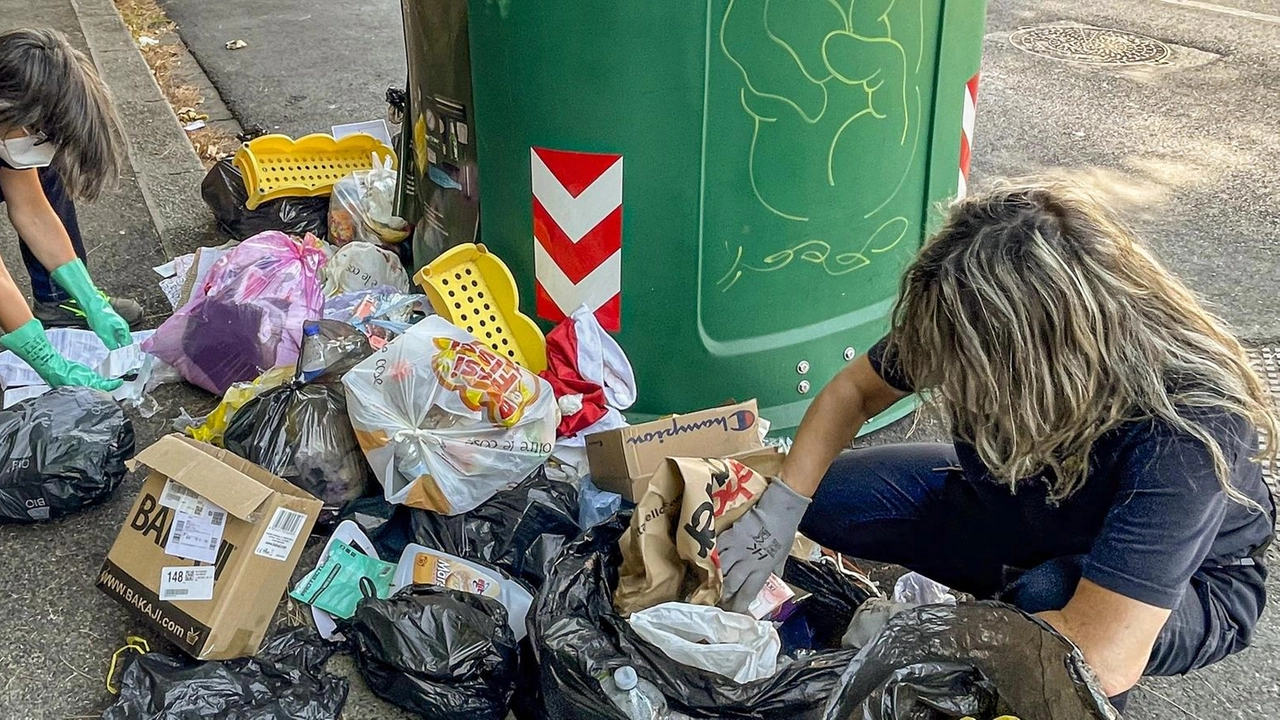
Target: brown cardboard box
{"x": 623, "y": 460}
{"x": 264, "y": 523}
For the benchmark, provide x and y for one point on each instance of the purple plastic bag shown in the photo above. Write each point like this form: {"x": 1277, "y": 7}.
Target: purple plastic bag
{"x": 248, "y": 316}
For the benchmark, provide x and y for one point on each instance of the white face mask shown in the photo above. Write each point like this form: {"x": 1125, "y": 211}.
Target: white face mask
{"x": 28, "y": 151}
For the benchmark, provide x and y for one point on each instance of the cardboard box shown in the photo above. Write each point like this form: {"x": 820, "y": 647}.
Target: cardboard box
{"x": 248, "y": 525}
{"x": 623, "y": 460}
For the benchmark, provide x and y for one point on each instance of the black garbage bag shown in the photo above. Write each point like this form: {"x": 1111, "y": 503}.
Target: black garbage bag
{"x": 834, "y": 598}
{"x": 224, "y": 192}
{"x": 301, "y": 432}
{"x": 932, "y": 691}
{"x": 62, "y": 451}
{"x": 1035, "y": 672}
{"x": 285, "y": 681}
{"x": 520, "y": 530}
{"x": 580, "y": 641}
{"x": 440, "y": 653}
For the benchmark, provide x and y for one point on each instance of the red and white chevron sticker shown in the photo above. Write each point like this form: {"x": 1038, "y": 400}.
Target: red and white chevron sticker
{"x": 577, "y": 234}
{"x": 966, "y": 132}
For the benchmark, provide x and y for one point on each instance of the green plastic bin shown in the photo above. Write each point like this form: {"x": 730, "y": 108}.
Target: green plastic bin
{"x": 736, "y": 185}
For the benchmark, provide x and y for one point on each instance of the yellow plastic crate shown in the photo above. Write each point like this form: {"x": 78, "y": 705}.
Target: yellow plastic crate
{"x": 473, "y": 289}
{"x": 276, "y": 166}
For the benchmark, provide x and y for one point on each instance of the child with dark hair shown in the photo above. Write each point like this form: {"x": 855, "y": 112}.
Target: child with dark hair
{"x": 59, "y": 139}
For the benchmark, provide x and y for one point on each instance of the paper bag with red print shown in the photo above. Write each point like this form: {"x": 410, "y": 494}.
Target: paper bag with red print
{"x": 446, "y": 422}
{"x": 669, "y": 552}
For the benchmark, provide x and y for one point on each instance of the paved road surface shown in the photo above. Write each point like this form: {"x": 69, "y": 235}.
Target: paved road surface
{"x": 1190, "y": 150}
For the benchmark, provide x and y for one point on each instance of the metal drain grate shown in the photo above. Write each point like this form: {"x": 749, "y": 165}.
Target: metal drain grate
{"x": 1093, "y": 45}
{"x": 1266, "y": 359}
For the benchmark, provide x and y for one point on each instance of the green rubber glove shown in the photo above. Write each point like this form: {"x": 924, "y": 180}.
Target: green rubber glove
{"x": 110, "y": 327}
{"x": 29, "y": 343}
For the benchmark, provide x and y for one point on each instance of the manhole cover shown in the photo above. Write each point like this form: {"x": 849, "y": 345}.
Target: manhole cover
{"x": 1097, "y": 46}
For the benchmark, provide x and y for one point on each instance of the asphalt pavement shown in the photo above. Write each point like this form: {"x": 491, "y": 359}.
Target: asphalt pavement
{"x": 1187, "y": 147}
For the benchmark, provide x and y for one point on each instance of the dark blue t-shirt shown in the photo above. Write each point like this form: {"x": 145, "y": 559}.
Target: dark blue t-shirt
{"x": 1151, "y": 511}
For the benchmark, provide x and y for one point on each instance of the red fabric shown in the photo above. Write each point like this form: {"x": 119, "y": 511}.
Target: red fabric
{"x": 562, "y": 373}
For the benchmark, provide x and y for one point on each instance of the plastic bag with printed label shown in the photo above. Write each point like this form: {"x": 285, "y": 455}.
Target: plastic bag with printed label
{"x": 249, "y": 316}
{"x": 362, "y": 207}
{"x": 63, "y": 451}
{"x": 362, "y": 266}
{"x": 224, "y": 192}
{"x": 437, "y": 652}
{"x": 446, "y": 422}
{"x": 284, "y": 681}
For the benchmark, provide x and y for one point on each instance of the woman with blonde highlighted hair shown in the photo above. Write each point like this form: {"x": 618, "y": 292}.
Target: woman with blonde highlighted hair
{"x": 1105, "y": 471}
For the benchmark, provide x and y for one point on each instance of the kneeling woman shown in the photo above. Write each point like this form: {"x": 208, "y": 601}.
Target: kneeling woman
{"x": 1105, "y": 471}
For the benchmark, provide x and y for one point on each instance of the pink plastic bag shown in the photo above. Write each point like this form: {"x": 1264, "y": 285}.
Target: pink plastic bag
{"x": 248, "y": 316}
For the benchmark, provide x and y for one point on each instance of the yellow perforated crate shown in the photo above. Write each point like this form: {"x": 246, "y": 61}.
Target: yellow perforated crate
{"x": 473, "y": 289}
{"x": 276, "y": 166}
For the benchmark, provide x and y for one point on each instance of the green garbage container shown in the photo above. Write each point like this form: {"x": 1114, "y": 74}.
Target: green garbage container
{"x": 733, "y": 185}
{"x": 439, "y": 183}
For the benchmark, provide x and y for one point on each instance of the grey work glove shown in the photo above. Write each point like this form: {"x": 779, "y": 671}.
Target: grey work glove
{"x": 757, "y": 545}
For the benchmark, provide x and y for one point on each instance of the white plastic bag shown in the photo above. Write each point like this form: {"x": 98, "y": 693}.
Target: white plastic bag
{"x": 917, "y": 589}
{"x": 445, "y": 421}
{"x": 729, "y": 644}
{"x": 363, "y": 266}
{"x": 362, "y": 207}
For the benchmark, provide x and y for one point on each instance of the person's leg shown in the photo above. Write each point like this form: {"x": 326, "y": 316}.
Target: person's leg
{"x": 1215, "y": 618}
{"x": 909, "y": 505}
{"x": 43, "y": 288}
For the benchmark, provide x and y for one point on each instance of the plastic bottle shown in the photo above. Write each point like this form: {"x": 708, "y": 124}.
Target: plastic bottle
{"x": 637, "y": 698}
{"x": 313, "y": 352}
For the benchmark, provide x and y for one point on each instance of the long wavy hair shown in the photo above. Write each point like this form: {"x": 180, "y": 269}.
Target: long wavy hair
{"x": 48, "y": 86}
{"x": 1038, "y": 323}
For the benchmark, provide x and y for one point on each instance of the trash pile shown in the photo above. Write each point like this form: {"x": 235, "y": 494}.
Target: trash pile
{"x": 493, "y": 536}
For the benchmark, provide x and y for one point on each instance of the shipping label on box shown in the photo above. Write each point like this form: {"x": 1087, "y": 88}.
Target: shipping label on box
{"x": 623, "y": 460}
{"x": 207, "y": 548}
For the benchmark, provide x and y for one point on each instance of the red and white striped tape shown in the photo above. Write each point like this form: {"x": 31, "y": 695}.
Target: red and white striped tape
{"x": 966, "y": 132}
{"x": 577, "y": 234}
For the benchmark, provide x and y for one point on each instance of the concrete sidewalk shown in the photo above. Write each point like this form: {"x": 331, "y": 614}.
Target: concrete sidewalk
{"x": 59, "y": 632}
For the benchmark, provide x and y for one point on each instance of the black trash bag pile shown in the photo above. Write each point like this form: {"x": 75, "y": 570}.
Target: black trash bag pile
{"x": 300, "y": 430}
{"x": 579, "y": 641}
{"x": 437, "y": 652}
{"x": 285, "y": 681}
{"x": 519, "y": 531}
{"x": 224, "y": 192}
{"x": 63, "y": 451}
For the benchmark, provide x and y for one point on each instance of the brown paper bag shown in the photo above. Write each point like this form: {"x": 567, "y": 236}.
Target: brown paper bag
{"x": 669, "y": 552}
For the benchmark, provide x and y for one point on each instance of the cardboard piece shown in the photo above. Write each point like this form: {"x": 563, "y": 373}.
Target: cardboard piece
{"x": 623, "y": 460}
{"x": 267, "y": 521}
